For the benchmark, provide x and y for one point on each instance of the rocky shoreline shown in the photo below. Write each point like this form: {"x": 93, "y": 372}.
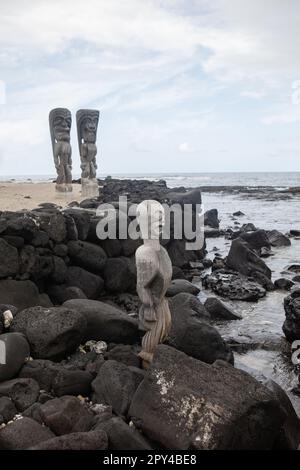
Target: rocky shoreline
{"x": 73, "y": 378}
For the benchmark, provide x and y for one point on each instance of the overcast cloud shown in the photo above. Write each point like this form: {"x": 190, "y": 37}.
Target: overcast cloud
{"x": 181, "y": 85}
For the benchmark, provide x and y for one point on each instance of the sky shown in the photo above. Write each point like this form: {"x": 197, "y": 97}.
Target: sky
{"x": 182, "y": 85}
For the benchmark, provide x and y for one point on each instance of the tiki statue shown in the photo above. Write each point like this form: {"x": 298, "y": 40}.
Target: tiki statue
{"x": 154, "y": 274}
{"x": 60, "y": 121}
{"x": 87, "y": 125}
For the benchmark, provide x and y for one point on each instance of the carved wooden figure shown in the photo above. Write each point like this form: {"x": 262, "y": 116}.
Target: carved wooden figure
{"x": 154, "y": 274}
{"x": 87, "y": 125}
{"x": 60, "y": 121}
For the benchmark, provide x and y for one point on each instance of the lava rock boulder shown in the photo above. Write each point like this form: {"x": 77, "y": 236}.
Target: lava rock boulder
{"x": 194, "y": 336}
{"x": 185, "y": 404}
{"x": 51, "y": 332}
{"x": 291, "y": 326}
{"x": 15, "y": 349}
{"x": 105, "y": 322}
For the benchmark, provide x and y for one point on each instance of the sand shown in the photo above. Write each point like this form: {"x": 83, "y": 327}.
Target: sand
{"x": 18, "y": 196}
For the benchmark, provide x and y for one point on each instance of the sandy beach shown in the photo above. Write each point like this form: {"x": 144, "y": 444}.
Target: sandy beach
{"x": 18, "y": 196}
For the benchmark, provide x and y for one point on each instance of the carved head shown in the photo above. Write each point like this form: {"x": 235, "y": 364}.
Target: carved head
{"x": 60, "y": 121}
{"x": 87, "y": 125}
{"x": 151, "y": 218}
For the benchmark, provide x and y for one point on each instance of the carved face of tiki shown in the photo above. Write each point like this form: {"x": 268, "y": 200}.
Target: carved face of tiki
{"x": 60, "y": 124}
{"x": 87, "y": 125}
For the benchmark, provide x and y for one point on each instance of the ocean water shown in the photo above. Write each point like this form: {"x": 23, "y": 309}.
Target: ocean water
{"x": 192, "y": 180}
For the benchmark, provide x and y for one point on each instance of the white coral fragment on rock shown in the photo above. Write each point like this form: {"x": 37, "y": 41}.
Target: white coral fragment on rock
{"x": 8, "y": 318}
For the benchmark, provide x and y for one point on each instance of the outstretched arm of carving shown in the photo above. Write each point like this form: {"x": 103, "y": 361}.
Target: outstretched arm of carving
{"x": 83, "y": 150}
{"x": 55, "y": 156}
{"x": 147, "y": 268}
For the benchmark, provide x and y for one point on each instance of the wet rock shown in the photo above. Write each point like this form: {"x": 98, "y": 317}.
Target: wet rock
{"x": 291, "y": 326}
{"x": 66, "y": 415}
{"x": 243, "y": 259}
{"x": 21, "y": 294}
{"x": 266, "y": 252}
{"x": 294, "y": 268}
{"x": 23, "y": 392}
{"x": 61, "y": 293}
{"x": 92, "y": 440}
{"x": 16, "y": 352}
{"x": 91, "y": 284}
{"x": 135, "y": 190}
{"x": 277, "y": 238}
{"x": 189, "y": 302}
{"x": 235, "y": 286}
{"x": 191, "y": 334}
{"x": 295, "y": 233}
{"x": 182, "y": 285}
{"x": 87, "y": 255}
{"x": 211, "y": 218}
{"x": 200, "y": 406}
{"x": 296, "y": 278}
{"x": 192, "y": 197}
{"x": 23, "y": 433}
{"x": 123, "y": 437}
{"x": 179, "y": 255}
{"x": 219, "y": 311}
{"x": 283, "y": 284}
{"x": 105, "y": 322}
{"x": 290, "y": 435}
{"x": 218, "y": 263}
{"x": 9, "y": 259}
{"x": 257, "y": 239}
{"x": 210, "y": 232}
{"x": 120, "y": 275}
{"x": 7, "y": 410}
{"x": 248, "y": 228}
{"x": 115, "y": 385}
{"x": 51, "y": 332}
{"x": 238, "y": 214}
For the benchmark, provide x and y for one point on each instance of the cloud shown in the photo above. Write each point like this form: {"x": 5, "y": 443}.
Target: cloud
{"x": 204, "y": 70}
{"x": 185, "y": 147}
